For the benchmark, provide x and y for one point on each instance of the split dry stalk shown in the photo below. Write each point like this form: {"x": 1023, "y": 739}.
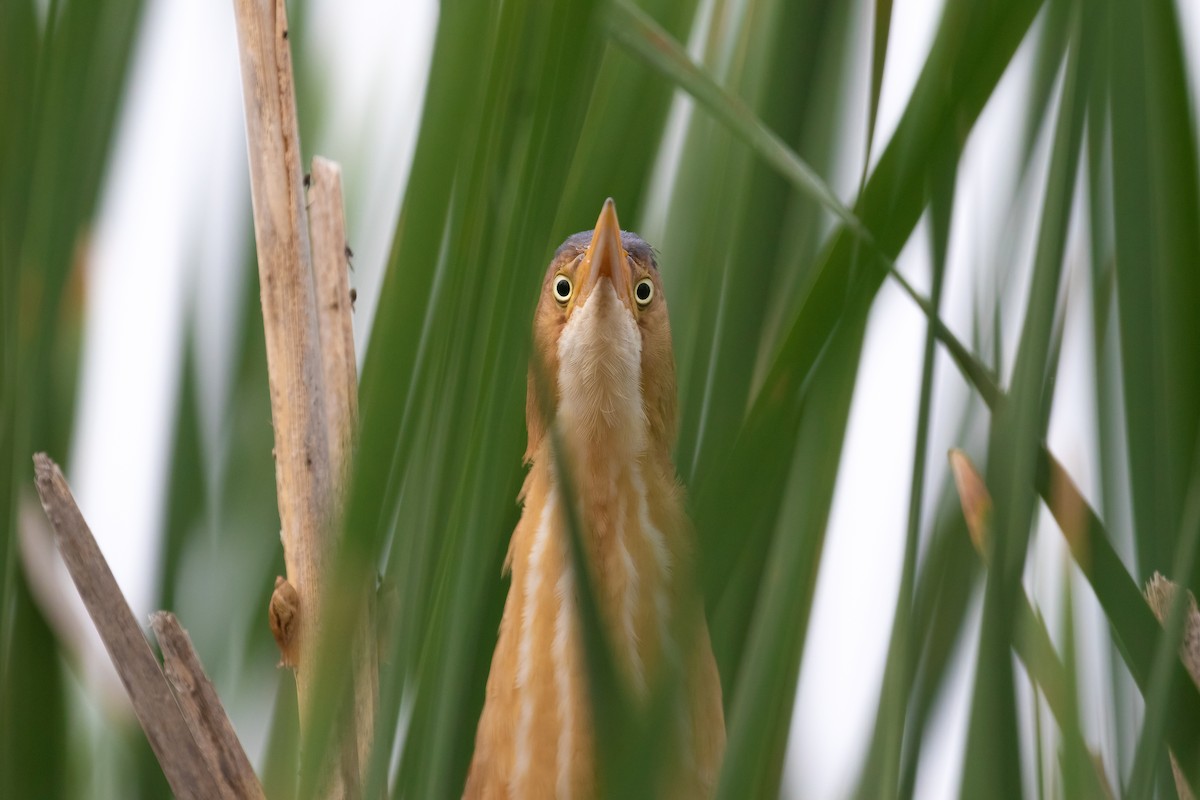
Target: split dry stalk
{"x": 310, "y": 360}
{"x": 331, "y": 256}
{"x": 210, "y": 725}
{"x": 302, "y": 475}
{"x": 183, "y": 763}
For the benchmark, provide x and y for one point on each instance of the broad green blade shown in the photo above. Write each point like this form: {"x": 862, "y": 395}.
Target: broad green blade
{"x": 1156, "y": 205}
{"x": 1166, "y": 655}
{"x": 623, "y": 131}
{"x": 633, "y": 29}
{"x": 758, "y": 722}
{"x": 188, "y": 493}
{"x": 949, "y": 575}
{"x": 62, "y": 73}
{"x": 1051, "y": 47}
{"x": 881, "y": 27}
{"x": 34, "y": 704}
{"x": 1082, "y": 771}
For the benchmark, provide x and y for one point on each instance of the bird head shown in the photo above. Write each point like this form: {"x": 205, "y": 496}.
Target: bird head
{"x": 603, "y": 341}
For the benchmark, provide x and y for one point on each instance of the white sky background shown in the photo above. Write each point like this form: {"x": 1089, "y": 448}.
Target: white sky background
{"x": 173, "y": 214}
{"x": 174, "y": 210}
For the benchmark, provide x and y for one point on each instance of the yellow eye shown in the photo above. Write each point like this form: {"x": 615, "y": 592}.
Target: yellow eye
{"x": 562, "y": 288}
{"x": 644, "y": 292}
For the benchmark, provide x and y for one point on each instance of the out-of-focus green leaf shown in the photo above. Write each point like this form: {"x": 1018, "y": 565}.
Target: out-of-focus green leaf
{"x": 727, "y": 249}
{"x": 34, "y": 734}
{"x": 623, "y": 130}
{"x": 1052, "y": 37}
{"x": 881, "y": 27}
{"x": 983, "y": 37}
{"x": 891, "y": 203}
{"x": 62, "y": 72}
{"x": 1109, "y": 411}
{"x": 188, "y": 491}
{"x": 1134, "y": 628}
{"x": 758, "y": 722}
{"x": 1165, "y": 669}
{"x": 610, "y": 702}
{"x": 282, "y": 760}
{"x": 633, "y": 29}
{"x": 883, "y": 776}
{"x": 992, "y": 761}
{"x": 1156, "y": 205}
{"x": 506, "y": 102}
{"x": 398, "y": 353}
{"x": 940, "y": 606}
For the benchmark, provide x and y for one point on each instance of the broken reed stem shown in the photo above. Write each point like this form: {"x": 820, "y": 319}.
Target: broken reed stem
{"x": 330, "y": 265}
{"x": 210, "y": 725}
{"x": 310, "y": 361}
{"x": 302, "y": 467}
{"x": 182, "y": 761}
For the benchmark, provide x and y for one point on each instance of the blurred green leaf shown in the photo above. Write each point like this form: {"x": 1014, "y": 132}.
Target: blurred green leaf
{"x": 883, "y": 776}
{"x": 992, "y": 762}
{"x": 633, "y": 29}
{"x": 62, "y": 72}
{"x": 837, "y": 301}
{"x": 35, "y": 729}
{"x": 508, "y": 178}
{"x": 611, "y": 162}
{"x": 1156, "y": 205}
{"x": 881, "y": 27}
{"x": 1134, "y": 629}
{"x": 1165, "y": 669}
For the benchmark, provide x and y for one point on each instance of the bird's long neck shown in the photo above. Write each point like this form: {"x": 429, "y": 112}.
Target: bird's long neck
{"x": 622, "y": 475}
{"x": 624, "y": 484}
{"x": 629, "y": 510}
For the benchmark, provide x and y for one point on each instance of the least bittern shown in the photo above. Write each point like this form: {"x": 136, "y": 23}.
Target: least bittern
{"x": 603, "y": 339}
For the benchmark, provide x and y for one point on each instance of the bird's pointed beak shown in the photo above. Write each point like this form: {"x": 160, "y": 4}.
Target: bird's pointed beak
{"x": 605, "y": 258}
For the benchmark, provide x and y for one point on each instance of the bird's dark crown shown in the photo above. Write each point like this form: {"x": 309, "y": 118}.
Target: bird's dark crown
{"x": 634, "y": 245}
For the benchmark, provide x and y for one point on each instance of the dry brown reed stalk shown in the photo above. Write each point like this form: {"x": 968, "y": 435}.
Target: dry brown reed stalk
{"x": 310, "y": 361}
{"x": 184, "y": 765}
{"x": 210, "y": 725}
{"x": 331, "y": 254}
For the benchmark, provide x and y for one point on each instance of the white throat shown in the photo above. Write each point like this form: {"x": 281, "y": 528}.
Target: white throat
{"x": 600, "y": 375}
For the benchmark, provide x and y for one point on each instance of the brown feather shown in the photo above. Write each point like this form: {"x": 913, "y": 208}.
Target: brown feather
{"x": 536, "y": 706}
